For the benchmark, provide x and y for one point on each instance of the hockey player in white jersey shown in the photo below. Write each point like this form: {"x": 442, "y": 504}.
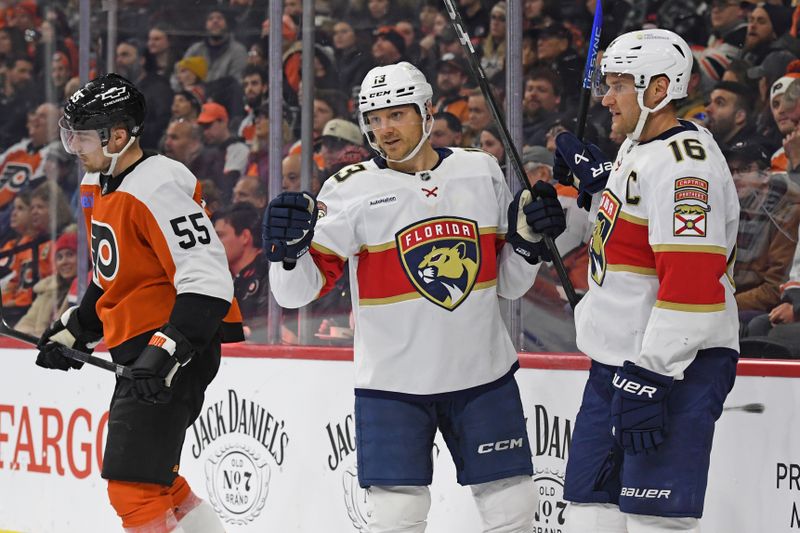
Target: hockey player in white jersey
{"x": 659, "y": 320}
{"x": 430, "y": 237}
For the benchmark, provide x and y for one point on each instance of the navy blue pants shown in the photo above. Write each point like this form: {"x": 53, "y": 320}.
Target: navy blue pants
{"x": 485, "y": 433}
{"x": 670, "y": 481}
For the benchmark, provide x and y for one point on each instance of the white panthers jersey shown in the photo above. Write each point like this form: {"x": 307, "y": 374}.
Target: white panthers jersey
{"x": 661, "y": 255}
{"x": 427, "y": 261}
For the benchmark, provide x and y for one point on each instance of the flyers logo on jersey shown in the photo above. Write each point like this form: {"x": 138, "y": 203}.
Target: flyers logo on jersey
{"x": 606, "y": 218}
{"x": 441, "y": 257}
{"x": 105, "y": 251}
{"x": 15, "y": 175}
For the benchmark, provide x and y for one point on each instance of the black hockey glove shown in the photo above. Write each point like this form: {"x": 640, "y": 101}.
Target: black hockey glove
{"x": 639, "y": 408}
{"x": 532, "y": 214}
{"x": 66, "y": 331}
{"x": 289, "y": 227}
{"x": 156, "y": 368}
{"x": 586, "y": 161}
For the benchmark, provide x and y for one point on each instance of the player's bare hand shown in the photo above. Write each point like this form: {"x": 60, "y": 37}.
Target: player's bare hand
{"x": 791, "y": 145}
{"x": 782, "y": 314}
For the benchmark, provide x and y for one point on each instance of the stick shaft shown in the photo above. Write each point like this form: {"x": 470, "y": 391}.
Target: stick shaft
{"x": 120, "y": 370}
{"x": 588, "y": 74}
{"x": 510, "y": 149}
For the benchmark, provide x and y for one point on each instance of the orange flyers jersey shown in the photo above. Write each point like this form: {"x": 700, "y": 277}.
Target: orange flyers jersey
{"x": 19, "y": 291}
{"x": 151, "y": 240}
{"x": 427, "y": 260}
{"x": 661, "y": 255}
{"x": 18, "y": 166}
{"x": 779, "y": 161}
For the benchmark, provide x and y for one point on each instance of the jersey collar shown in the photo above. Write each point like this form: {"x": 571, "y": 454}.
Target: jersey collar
{"x": 443, "y": 153}
{"x": 683, "y": 125}
{"x": 109, "y": 184}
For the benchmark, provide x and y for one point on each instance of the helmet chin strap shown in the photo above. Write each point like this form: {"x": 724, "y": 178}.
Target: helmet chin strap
{"x": 115, "y": 157}
{"x": 645, "y": 112}
{"x": 427, "y": 127}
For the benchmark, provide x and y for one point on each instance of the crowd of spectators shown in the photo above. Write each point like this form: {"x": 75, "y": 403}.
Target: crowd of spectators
{"x": 203, "y": 71}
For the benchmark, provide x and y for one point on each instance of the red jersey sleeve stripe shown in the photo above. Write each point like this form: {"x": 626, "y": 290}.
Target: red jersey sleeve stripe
{"x": 690, "y": 279}
{"x": 628, "y": 245}
{"x": 330, "y": 265}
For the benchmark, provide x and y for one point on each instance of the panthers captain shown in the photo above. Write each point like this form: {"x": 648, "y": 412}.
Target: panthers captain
{"x": 430, "y": 237}
{"x": 660, "y": 319}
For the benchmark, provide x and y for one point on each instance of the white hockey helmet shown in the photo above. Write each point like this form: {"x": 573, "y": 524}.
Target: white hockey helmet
{"x": 390, "y": 86}
{"x": 646, "y": 54}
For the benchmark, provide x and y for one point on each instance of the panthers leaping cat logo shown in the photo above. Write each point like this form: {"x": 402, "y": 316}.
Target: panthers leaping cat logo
{"x": 441, "y": 257}
{"x": 450, "y": 268}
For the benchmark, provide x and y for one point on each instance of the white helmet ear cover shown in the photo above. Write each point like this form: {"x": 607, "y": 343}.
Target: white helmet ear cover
{"x": 646, "y": 54}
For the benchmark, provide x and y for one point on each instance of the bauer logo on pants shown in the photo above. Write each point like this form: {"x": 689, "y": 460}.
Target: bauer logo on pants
{"x": 441, "y": 256}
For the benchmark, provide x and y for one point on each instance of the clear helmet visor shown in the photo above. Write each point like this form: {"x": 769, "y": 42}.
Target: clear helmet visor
{"x": 614, "y": 83}
{"x": 78, "y": 142}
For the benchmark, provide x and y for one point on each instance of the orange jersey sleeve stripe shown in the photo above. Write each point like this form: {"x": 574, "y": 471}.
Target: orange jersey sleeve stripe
{"x": 690, "y": 278}
{"x": 330, "y": 265}
{"x": 628, "y": 245}
{"x": 381, "y": 275}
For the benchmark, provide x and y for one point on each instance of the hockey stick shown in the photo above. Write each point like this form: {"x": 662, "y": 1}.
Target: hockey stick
{"x": 586, "y": 86}
{"x": 76, "y": 355}
{"x": 510, "y": 149}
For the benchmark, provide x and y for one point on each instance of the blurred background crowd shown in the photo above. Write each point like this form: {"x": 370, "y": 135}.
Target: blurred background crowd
{"x": 202, "y": 66}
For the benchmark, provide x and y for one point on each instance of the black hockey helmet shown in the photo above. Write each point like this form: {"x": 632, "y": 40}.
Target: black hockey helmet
{"x": 103, "y": 103}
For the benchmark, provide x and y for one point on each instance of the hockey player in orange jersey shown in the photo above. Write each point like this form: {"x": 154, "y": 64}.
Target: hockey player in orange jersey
{"x": 159, "y": 295}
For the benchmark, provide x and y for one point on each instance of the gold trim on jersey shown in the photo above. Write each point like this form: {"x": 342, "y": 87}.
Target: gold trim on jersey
{"x": 484, "y": 285}
{"x": 389, "y": 299}
{"x": 327, "y": 251}
{"x": 633, "y": 269}
{"x": 691, "y": 308}
{"x": 414, "y": 295}
{"x": 374, "y": 248}
{"x": 633, "y": 219}
{"x": 707, "y": 248}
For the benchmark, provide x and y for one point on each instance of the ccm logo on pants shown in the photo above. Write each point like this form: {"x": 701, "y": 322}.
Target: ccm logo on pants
{"x": 500, "y": 445}
{"x": 653, "y": 494}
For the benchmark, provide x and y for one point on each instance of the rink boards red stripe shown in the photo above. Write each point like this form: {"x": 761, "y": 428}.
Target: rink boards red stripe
{"x": 544, "y": 361}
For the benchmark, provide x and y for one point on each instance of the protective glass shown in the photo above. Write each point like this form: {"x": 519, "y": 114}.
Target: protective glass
{"x": 615, "y": 83}
{"x": 78, "y": 142}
